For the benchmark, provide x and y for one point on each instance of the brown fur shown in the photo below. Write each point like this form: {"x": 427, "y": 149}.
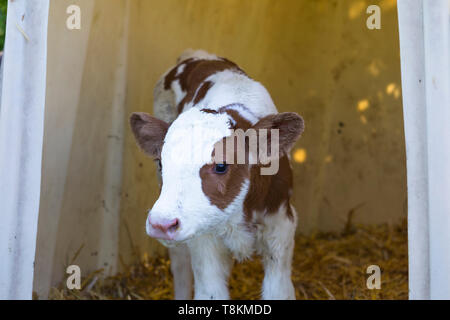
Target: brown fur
{"x": 149, "y": 133}
{"x": 266, "y": 192}
{"x": 201, "y": 93}
{"x": 221, "y": 189}
{"x": 240, "y": 122}
{"x": 194, "y": 74}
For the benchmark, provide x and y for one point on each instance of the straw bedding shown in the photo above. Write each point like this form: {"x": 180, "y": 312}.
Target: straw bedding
{"x": 325, "y": 266}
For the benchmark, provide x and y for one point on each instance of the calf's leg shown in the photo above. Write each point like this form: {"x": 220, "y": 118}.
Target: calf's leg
{"x": 180, "y": 265}
{"x": 211, "y": 264}
{"x": 277, "y": 249}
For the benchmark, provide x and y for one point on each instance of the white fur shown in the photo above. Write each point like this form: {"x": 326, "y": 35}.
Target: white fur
{"x": 180, "y": 265}
{"x": 234, "y": 233}
{"x": 211, "y": 263}
{"x": 215, "y": 236}
{"x": 188, "y": 145}
{"x": 179, "y": 93}
{"x": 164, "y": 102}
{"x": 231, "y": 87}
{"x": 180, "y": 69}
{"x": 196, "y": 54}
{"x": 275, "y": 243}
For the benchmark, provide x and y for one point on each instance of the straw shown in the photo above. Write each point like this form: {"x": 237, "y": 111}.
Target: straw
{"x": 325, "y": 266}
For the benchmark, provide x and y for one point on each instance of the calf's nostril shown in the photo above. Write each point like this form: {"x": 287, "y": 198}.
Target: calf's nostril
{"x": 166, "y": 225}
{"x": 175, "y": 225}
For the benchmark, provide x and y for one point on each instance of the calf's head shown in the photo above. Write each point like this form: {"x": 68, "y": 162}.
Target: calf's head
{"x": 201, "y": 190}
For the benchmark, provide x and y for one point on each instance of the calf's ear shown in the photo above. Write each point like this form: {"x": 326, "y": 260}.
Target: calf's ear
{"x": 149, "y": 132}
{"x": 290, "y": 126}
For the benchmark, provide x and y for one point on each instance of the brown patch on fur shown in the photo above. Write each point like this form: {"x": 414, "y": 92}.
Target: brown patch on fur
{"x": 239, "y": 121}
{"x": 201, "y": 93}
{"x": 222, "y": 189}
{"x": 193, "y": 75}
{"x": 149, "y": 133}
{"x": 206, "y": 110}
{"x": 266, "y": 192}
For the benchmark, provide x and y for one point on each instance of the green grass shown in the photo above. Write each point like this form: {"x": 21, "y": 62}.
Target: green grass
{"x": 3, "y": 6}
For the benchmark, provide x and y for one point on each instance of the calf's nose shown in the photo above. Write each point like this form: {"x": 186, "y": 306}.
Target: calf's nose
{"x": 165, "y": 225}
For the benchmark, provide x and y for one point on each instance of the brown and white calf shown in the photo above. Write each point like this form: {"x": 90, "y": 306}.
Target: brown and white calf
{"x": 213, "y": 210}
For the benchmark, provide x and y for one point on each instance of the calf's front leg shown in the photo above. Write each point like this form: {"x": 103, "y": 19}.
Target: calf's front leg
{"x": 211, "y": 264}
{"x": 180, "y": 265}
{"x": 277, "y": 252}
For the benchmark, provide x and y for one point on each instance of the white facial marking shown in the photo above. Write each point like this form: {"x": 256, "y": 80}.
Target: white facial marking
{"x": 188, "y": 145}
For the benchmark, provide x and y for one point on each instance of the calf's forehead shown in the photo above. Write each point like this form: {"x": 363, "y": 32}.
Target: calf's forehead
{"x": 191, "y": 138}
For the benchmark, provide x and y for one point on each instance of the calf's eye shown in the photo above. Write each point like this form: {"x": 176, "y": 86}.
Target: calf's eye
{"x": 220, "y": 168}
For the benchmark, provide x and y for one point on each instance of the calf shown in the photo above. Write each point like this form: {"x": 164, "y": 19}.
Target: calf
{"x": 212, "y": 207}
